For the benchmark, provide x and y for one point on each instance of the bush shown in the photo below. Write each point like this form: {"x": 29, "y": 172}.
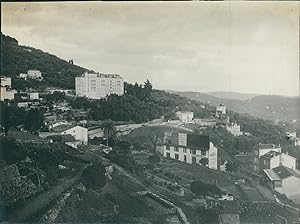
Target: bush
{"x": 198, "y": 187}
{"x": 94, "y": 176}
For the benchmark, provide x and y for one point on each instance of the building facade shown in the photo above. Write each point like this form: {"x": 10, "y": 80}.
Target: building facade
{"x": 97, "y": 86}
{"x": 78, "y": 132}
{"x": 274, "y": 159}
{"x": 220, "y": 110}
{"x": 185, "y": 116}
{"x": 234, "y": 129}
{"x": 259, "y": 151}
{"x": 34, "y": 74}
{"x": 5, "y": 81}
{"x": 189, "y": 148}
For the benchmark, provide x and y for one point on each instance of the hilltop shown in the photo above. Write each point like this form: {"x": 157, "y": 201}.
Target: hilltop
{"x": 16, "y": 59}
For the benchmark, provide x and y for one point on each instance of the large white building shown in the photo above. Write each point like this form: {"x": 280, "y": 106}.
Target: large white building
{"x": 97, "y": 86}
{"x": 189, "y": 148}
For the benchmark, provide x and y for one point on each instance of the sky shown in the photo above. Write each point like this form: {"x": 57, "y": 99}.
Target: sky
{"x": 248, "y": 47}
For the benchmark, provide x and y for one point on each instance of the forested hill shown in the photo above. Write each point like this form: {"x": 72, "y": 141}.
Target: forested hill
{"x": 16, "y": 59}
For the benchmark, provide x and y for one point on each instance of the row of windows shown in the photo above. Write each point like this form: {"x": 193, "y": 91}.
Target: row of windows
{"x": 184, "y": 157}
{"x": 192, "y": 151}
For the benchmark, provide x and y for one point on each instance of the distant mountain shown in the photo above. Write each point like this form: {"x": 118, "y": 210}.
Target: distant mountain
{"x": 270, "y": 107}
{"x": 16, "y": 59}
{"x": 233, "y": 95}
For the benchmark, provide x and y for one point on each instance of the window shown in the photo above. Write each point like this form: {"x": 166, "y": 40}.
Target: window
{"x": 193, "y": 159}
{"x": 203, "y": 152}
{"x": 193, "y": 151}
{"x": 168, "y": 147}
{"x": 168, "y": 155}
{"x": 176, "y": 149}
{"x": 184, "y": 150}
{"x": 177, "y": 156}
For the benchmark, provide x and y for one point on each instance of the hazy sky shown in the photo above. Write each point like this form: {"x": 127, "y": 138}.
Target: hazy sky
{"x": 197, "y": 46}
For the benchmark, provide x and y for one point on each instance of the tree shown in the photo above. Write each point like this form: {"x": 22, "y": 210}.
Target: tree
{"x": 94, "y": 176}
{"x": 33, "y": 120}
{"x": 154, "y": 158}
{"x": 109, "y": 130}
{"x": 231, "y": 167}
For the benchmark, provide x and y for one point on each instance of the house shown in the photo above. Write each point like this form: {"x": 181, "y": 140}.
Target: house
{"x": 220, "y": 111}
{"x": 6, "y": 93}
{"x": 189, "y": 148}
{"x": 78, "y": 132}
{"x": 23, "y": 76}
{"x": 34, "y": 74}
{"x": 273, "y": 159}
{"x": 259, "y": 151}
{"x": 33, "y": 96}
{"x": 185, "y": 116}
{"x": 285, "y": 181}
{"x": 67, "y": 139}
{"x": 234, "y": 129}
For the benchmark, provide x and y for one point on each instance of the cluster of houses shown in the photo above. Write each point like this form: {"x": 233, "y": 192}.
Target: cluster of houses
{"x": 220, "y": 117}
{"x": 280, "y": 170}
{"x": 31, "y": 74}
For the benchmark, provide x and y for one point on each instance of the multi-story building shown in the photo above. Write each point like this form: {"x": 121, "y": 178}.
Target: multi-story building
{"x": 220, "y": 111}
{"x": 189, "y": 148}
{"x": 97, "y": 86}
{"x": 185, "y": 116}
{"x": 259, "y": 151}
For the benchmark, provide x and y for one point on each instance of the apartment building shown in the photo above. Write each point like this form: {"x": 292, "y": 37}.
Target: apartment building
{"x": 97, "y": 86}
{"x": 189, "y": 148}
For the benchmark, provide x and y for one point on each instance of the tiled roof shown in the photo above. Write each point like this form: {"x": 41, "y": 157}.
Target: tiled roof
{"x": 271, "y": 174}
{"x": 198, "y": 141}
{"x": 266, "y": 146}
{"x": 284, "y": 172}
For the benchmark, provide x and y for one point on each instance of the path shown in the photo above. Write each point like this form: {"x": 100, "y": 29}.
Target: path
{"x": 37, "y": 204}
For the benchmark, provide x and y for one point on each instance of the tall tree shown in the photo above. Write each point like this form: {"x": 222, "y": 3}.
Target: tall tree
{"x": 109, "y": 130}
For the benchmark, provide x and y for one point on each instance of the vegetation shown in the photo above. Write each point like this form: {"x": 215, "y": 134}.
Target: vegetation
{"x": 13, "y": 116}
{"x": 198, "y": 187}
{"x": 94, "y": 176}
{"x": 16, "y": 59}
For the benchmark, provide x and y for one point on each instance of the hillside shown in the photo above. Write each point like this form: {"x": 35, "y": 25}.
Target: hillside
{"x": 233, "y": 95}
{"x": 16, "y": 59}
{"x": 269, "y": 107}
